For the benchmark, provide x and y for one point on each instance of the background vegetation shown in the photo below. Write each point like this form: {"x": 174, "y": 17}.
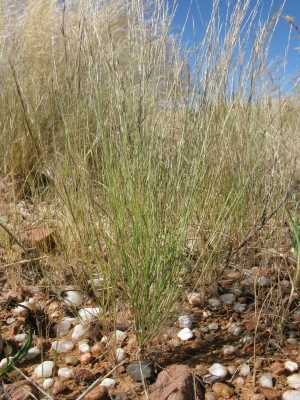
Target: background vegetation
{"x": 139, "y": 152}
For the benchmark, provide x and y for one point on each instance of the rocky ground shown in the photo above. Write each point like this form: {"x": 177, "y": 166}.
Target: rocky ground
{"x": 236, "y": 339}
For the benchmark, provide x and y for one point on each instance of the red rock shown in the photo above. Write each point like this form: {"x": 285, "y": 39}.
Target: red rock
{"x": 176, "y": 382}
{"x": 98, "y": 393}
{"x": 21, "y": 390}
{"x": 278, "y": 368}
{"x": 40, "y": 237}
{"x": 270, "y": 394}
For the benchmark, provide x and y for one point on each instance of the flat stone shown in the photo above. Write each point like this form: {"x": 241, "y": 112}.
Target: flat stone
{"x": 278, "y": 368}
{"x": 176, "y": 382}
{"x": 222, "y": 391}
{"x": 291, "y": 395}
{"x": 140, "y": 370}
{"x": 98, "y": 393}
{"x": 270, "y": 394}
{"x": 21, "y": 390}
{"x": 294, "y": 381}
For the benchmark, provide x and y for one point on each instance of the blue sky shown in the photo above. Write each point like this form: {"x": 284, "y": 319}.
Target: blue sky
{"x": 280, "y": 43}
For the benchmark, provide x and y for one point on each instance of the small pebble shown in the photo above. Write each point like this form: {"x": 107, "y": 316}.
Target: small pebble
{"x": 78, "y": 332}
{"x": 65, "y": 372}
{"x": 245, "y": 370}
{"x": 291, "y": 395}
{"x": 258, "y": 396}
{"x": 247, "y": 339}
{"x": 214, "y": 303}
{"x": 203, "y": 329}
{"x": 285, "y": 283}
{"x": 48, "y": 383}
{"x": 240, "y": 381}
{"x": 278, "y": 368}
{"x": 108, "y": 382}
{"x": 72, "y": 360}
{"x": 20, "y": 337}
{"x": 222, "y": 391}
{"x": 291, "y": 366}
{"x": 120, "y": 355}
{"x": 62, "y": 346}
{"x": 292, "y": 341}
{"x": 97, "y": 348}
{"x": 119, "y": 336}
{"x": 85, "y": 358}
{"x": 266, "y": 380}
{"x": 235, "y": 329}
{"x": 231, "y": 368}
{"x": 239, "y": 307}
{"x": 32, "y": 353}
{"x": 89, "y": 313}
{"x": 99, "y": 392}
{"x": 44, "y": 370}
{"x": 175, "y": 343}
{"x": 84, "y": 347}
{"x": 209, "y": 396}
{"x": 206, "y": 314}
{"x": 185, "y": 334}
{"x": 264, "y": 282}
{"x": 201, "y": 369}
{"x": 73, "y": 298}
{"x": 84, "y": 377}
{"x": 140, "y": 370}
{"x": 213, "y": 326}
{"x": 228, "y": 298}
{"x": 58, "y": 387}
{"x": 236, "y": 290}
{"x": 294, "y": 381}
{"x": 185, "y": 321}
{"x": 195, "y": 299}
{"x": 228, "y": 349}
{"x": 62, "y": 328}
{"x": 209, "y": 338}
{"x": 218, "y": 370}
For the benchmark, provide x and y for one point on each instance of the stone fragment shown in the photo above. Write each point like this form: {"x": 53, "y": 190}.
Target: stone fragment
{"x": 185, "y": 334}
{"x": 21, "y": 390}
{"x": 65, "y": 372}
{"x": 257, "y": 396}
{"x": 270, "y": 394}
{"x": 185, "y": 321}
{"x": 88, "y": 314}
{"x": 121, "y": 396}
{"x": 85, "y": 358}
{"x": 266, "y": 380}
{"x": 48, "y": 383}
{"x": 139, "y": 370}
{"x": 58, "y": 387}
{"x": 210, "y": 396}
{"x": 98, "y": 393}
{"x": 78, "y": 332}
{"x": 291, "y": 395}
{"x": 62, "y": 346}
{"x": 291, "y": 366}
{"x": 62, "y": 328}
{"x": 294, "y": 381}
{"x": 176, "y": 382}
{"x": 72, "y": 360}
{"x": 195, "y": 299}
{"x": 41, "y": 237}
{"x": 228, "y": 349}
{"x": 44, "y": 370}
{"x": 214, "y": 303}
{"x": 245, "y": 370}
{"x": 228, "y": 298}
{"x": 32, "y": 353}
{"x": 218, "y": 370}
{"x": 120, "y": 355}
{"x": 264, "y": 282}
{"x": 278, "y": 368}
{"x": 84, "y": 377}
{"x": 222, "y": 391}
{"x": 108, "y": 382}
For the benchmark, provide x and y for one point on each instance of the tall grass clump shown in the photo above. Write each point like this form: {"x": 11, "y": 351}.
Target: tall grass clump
{"x": 142, "y": 145}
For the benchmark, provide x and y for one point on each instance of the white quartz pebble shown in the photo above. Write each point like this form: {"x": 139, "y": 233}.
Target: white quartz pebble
{"x": 21, "y": 337}
{"x": 185, "y": 321}
{"x": 120, "y": 355}
{"x": 213, "y": 326}
{"x": 214, "y": 303}
{"x": 48, "y": 383}
{"x": 62, "y": 328}
{"x": 65, "y": 372}
{"x": 21, "y": 309}
{"x": 32, "y": 353}
{"x": 108, "y": 382}
{"x": 73, "y": 298}
{"x": 228, "y": 298}
{"x": 78, "y": 332}
{"x": 245, "y": 370}
{"x": 185, "y": 334}
{"x": 62, "y": 346}
{"x": 84, "y": 347}
{"x": 235, "y": 329}
{"x": 294, "y": 381}
{"x": 266, "y": 380}
{"x": 218, "y": 370}
{"x": 291, "y": 366}
{"x": 239, "y": 307}
{"x": 119, "y": 336}
{"x": 291, "y": 395}
{"x": 44, "y": 370}
{"x": 89, "y": 313}
{"x": 227, "y": 350}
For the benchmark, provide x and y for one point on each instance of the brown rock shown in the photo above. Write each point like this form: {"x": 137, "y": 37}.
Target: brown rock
{"x": 84, "y": 377}
{"x": 222, "y": 391}
{"x": 278, "y": 368}
{"x": 98, "y": 393}
{"x": 21, "y": 390}
{"x": 258, "y": 397}
{"x": 176, "y": 382}
{"x": 58, "y": 387}
{"x": 40, "y": 237}
{"x": 270, "y": 394}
